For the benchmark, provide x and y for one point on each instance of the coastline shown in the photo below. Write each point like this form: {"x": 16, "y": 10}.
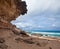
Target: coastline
{"x": 47, "y": 34}
{"x": 40, "y": 36}
{"x": 11, "y": 40}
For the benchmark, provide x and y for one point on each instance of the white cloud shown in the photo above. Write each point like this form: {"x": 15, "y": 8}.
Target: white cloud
{"x": 26, "y": 24}
{"x": 22, "y": 24}
{"x": 51, "y": 18}
{"x": 43, "y": 5}
{"x": 39, "y": 26}
{"x": 54, "y": 25}
{"x": 50, "y": 8}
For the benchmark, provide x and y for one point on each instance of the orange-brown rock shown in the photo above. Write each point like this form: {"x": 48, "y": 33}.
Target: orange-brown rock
{"x": 10, "y": 10}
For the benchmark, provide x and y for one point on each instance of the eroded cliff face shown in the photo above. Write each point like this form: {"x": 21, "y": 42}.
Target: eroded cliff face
{"x": 10, "y": 10}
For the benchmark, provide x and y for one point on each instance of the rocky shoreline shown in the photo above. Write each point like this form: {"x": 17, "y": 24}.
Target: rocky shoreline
{"x": 12, "y": 37}
{"x": 11, "y": 40}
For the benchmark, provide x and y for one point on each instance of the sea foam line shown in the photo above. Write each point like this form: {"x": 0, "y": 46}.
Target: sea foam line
{"x": 46, "y": 33}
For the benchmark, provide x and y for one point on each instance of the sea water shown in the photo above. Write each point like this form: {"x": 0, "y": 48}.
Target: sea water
{"x": 57, "y": 34}
{"x": 47, "y": 33}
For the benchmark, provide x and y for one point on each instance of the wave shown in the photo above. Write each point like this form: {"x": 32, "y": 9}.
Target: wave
{"x": 47, "y": 33}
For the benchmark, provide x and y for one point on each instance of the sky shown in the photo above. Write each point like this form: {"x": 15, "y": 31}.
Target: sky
{"x": 41, "y": 15}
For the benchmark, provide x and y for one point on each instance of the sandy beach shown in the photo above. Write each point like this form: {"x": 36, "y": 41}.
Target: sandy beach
{"x": 10, "y": 40}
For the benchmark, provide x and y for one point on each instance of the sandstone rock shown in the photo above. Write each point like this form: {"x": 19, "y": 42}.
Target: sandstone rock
{"x": 10, "y": 10}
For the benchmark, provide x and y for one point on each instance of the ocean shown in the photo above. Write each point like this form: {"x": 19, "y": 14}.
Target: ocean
{"x": 47, "y": 33}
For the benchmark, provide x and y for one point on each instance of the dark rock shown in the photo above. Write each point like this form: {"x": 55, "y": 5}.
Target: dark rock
{"x": 38, "y": 44}
{"x": 16, "y": 32}
{"x": 37, "y": 34}
{"x": 50, "y": 48}
{"x": 28, "y": 41}
{"x": 3, "y": 46}
{"x": 18, "y": 39}
{"x": 23, "y": 33}
{"x": 2, "y": 40}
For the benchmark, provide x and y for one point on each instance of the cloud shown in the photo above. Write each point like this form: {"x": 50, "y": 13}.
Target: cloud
{"x": 53, "y": 19}
{"x": 22, "y": 24}
{"x": 54, "y": 25}
{"x": 43, "y": 5}
{"x": 43, "y": 14}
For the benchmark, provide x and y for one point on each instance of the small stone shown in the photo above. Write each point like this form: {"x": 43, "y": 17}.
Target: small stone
{"x": 3, "y": 46}
{"x": 50, "y": 48}
{"x": 2, "y": 40}
{"x": 38, "y": 44}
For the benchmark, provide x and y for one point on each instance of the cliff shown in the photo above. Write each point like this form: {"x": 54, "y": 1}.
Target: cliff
{"x": 10, "y": 10}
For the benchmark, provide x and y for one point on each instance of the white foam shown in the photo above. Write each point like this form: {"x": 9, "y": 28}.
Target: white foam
{"x": 48, "y": 33}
